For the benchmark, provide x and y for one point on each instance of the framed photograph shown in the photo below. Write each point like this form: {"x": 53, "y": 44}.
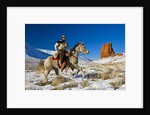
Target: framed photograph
{"x": 81, "y": 56}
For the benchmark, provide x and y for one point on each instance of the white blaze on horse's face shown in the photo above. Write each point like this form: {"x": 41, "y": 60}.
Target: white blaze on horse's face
{"x": 83, "y": 49}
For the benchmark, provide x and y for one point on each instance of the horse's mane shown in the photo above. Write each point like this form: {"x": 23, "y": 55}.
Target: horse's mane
{"x": 74, "y": 47}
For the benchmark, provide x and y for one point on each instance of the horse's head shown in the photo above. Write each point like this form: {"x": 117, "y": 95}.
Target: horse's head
{"x": 81, "y": 48}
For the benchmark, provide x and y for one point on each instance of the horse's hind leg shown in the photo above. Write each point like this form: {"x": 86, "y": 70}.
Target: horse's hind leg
{"x": 46, "y": 72}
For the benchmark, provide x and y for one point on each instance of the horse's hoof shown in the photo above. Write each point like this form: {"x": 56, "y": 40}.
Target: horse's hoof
{"x": 72, "y": 74}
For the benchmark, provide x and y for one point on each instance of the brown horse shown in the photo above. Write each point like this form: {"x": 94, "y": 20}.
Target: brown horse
{"x": 72, "y": 61}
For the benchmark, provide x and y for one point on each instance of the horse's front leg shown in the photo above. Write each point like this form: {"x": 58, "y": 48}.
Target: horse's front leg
{"x": 66, "y": 69}
{"x": 79, "y": 69}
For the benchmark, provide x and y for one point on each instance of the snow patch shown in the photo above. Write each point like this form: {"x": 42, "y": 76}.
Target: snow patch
{"x": 111, "y": 59}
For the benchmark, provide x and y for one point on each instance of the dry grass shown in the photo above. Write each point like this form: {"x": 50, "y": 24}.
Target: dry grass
{"x": 58, "y": 87}
{"x": 118, "y": 83}
{"x": 92, "y": 88}
{"x": 107, "y": 72}
{"x": 41, "y": 83}
{"x": 64, "y": 86}
{"x": 92, "y": 76}
{"x": 70, "y": 85}
{"x": 30, "y": 68}
{"x": 59, "y": 80}
{"x": 40, "y": 66}
{"x": 55, "y": 82}
{"x": 84, "y": 83}
{"x": 113, "y": 64}
{"x": 96, "y": 68}
{"x": 118, "y": 73}
{"x": 104, "y": 76}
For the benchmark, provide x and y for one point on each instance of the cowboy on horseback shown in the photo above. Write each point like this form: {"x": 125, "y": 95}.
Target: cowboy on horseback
{"x": 72, "y": 61}
{"x": 61, "y": 47}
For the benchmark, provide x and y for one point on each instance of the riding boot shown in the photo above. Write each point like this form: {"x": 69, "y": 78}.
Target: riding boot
{"x": 63, "y": 65}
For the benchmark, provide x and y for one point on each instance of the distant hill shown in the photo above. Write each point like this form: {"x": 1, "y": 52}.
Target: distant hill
{"x": 33, "y": 52}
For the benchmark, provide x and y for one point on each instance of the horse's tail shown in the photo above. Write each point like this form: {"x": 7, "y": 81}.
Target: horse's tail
{"x": 40, "y": 67}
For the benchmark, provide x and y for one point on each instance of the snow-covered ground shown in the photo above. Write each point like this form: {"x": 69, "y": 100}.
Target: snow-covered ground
{"x": 102, "y": 74}
{"x": 31, "y": 62}
{"x": 113, "y": 59}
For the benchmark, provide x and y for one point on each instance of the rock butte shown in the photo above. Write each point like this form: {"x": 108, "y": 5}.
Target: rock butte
{"x": 107, "y": 51}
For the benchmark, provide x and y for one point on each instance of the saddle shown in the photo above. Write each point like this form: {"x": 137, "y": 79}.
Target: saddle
{"x": 56, "y": 56}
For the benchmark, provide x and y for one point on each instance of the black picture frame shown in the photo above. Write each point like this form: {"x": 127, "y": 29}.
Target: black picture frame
{"x": 103, "y": 3}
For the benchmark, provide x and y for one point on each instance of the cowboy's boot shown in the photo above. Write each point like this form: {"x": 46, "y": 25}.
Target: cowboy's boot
{"x": 63, "y": 65}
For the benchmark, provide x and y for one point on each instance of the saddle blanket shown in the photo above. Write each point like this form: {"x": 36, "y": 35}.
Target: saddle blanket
{"x": 55, "y": 58}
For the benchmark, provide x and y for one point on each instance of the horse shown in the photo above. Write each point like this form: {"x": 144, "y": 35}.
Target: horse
{"x": 71, "y": 62}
